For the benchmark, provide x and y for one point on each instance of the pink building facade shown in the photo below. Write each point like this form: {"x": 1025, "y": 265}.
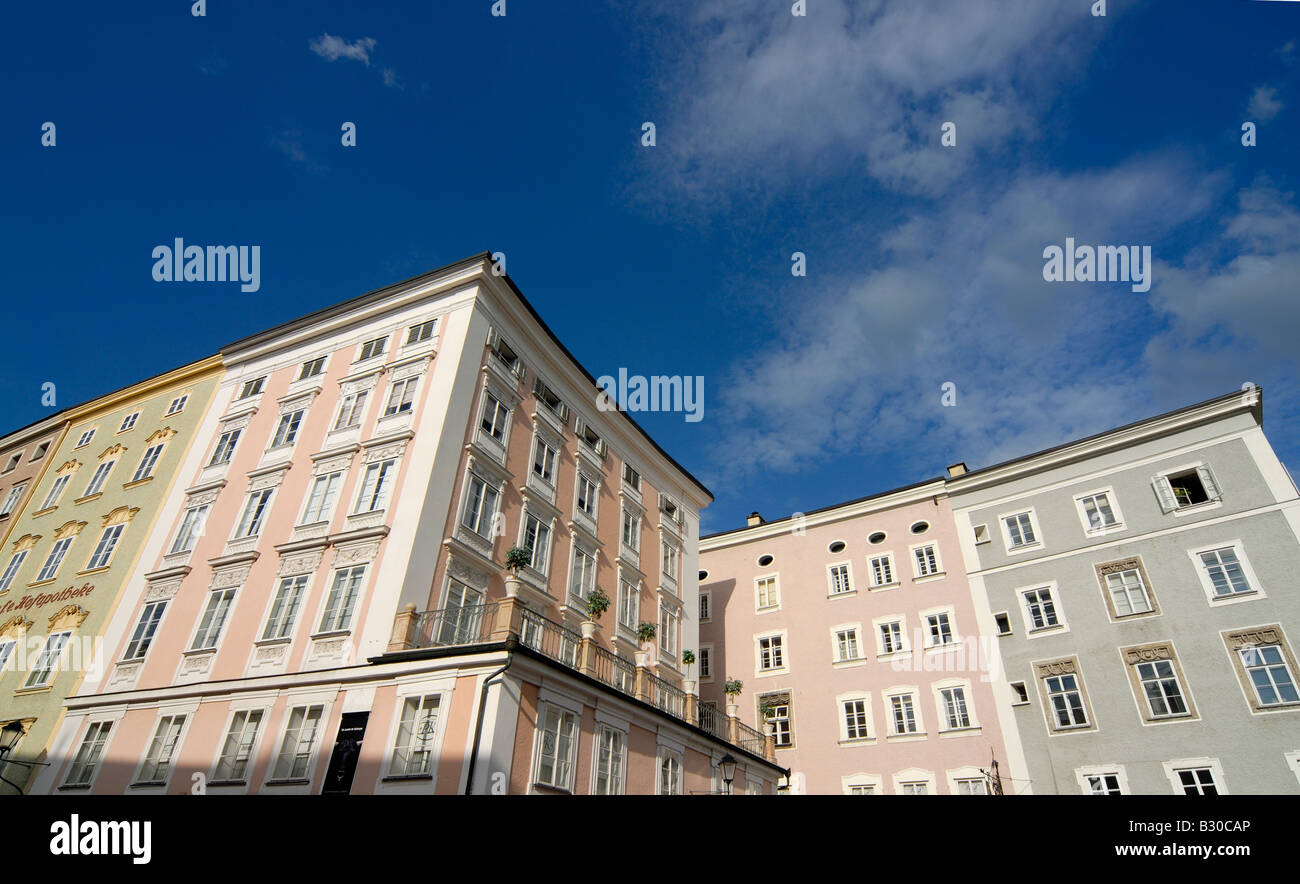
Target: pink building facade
{"x": 853, "y": 634}
{"x": 327, "y": 609}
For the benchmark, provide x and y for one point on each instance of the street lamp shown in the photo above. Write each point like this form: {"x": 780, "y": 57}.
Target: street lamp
{"x": 10, "y": 734}
{"x": 728, "y": 765}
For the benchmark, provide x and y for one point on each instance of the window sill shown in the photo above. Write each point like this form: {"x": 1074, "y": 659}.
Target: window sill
{"x": 930, "y": 578}
{"x": 298, "y": 781}
{"x": 906, "y": 738}
{"x": 100, "y": 570}
{"x": 840, "y": 595}
{"x": 88, "y": 498}
{"x": 407, "y": 778}
{"x": 894, "y": 585}
{"x": 136, "y": 483}
{"x": 148, "y": 784}
{"x": 895, "y": 655}
{"x": 36, "y": 689}
{"x": 73, "y": 787}
{"x": 956, "y": 733}
{"x": 39, "y": 513}
{"x": 850, "y": 664}
{"x": 861, "y": 741}
{"x": 1023, "y": 548}
{"x": 272, "y": 642}
{"x": 546, "y": 789}
{"x": 220, "y": 783}
{"x": 331, "y": 633}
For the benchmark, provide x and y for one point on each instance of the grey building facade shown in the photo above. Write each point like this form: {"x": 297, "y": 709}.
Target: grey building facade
{"x": 1142, "y": 586}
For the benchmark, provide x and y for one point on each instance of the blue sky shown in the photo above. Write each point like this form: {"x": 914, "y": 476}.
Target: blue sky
{"x": 775, "y": 134}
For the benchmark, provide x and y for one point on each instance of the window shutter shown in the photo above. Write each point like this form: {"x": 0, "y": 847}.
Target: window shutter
{"x": 564, "y": 412}
{"x": 1164, "y": 494}
{"x": 1207, "y": 480}
{"x": 579, "y": 425}
{"x": 493, "y": 338}
{"x": 538, "y": 386}
{"x": 519, "y": 370}
{"x": 602, "y": 448}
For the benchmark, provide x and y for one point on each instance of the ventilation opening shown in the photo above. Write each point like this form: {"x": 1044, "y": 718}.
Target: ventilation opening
{"x": 837, "y": 546}
{"x": 764, "y": 561}
{"x": 920, "y": 527}
{"x": 878, "y": 537}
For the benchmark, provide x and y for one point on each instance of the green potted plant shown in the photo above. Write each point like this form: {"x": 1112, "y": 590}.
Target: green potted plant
{"x": 732, "y": 688}
{"x": 688, "y": 660}
{"x": 646, "y": 633}
{"x": 597, "y": 604}
{"x": 516, "y": 557}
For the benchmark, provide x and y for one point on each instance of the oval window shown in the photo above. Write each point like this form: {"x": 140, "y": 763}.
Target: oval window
{"x": 837, "y": 546}
{"x": 920, "y": 527}
{"x": 764, "y": 561}
{"x": 704, "y": 575}
{"x": 877, "y": 537}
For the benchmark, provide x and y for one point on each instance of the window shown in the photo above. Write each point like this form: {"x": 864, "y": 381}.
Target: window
{"x": 128, "y": 422}
{"x": 422, "y": 332}
{"x": 764, "y": 561}
{"x": 855, "y": 719}
{"x": 401, "y": 396}
{"x": 670, "y": 774}
{"x": 215, "y": 614}
{"x": 1103, "y": 784}
{"x": 505, "y": 353}
{"x": 840, "y": 580}
{"x": 342, "y": 598}
{"x": 914, "y": 788}
{"x": 668, "y": 620}
{"x": 191, "y": 529}
{"x": 940, "y": 630}
{"x": 706, "y": 605}
{"x": 1224, "y": 571}
{"x": 145, "y": 627}
{"x": 903, "y": 713}
{"x": 544, "y": 462}
{"x": 981, "y": 534}
{"x": 537, "y": 540}
{"x": 284, "y": 608}
{"x": 495, "y": 417}
{"x": 298, "y": 743}
{"x": 225, "y": 449}
{"x": 158, "y": 760}
{"x": 882, "y": 571}
{"x": 970, "y": 786}
{"x": 147, "y": 463}
{"x": 462, "y": 617}
{"x": 555, "y": 748}
{"x": 252, "y": 388}
{"x": 237, "y": 750}
{"x": 548, "y": 397}
{"x": 375, "y": 485}
{"x": 611, "y": 748}
{"x": 15, "y": 494}
{"x": 631, "y": 478}
{"x": 39, "y": 452}
{"x": 56, "y": 491}
{"x": 1003, "y": 621}
{"x": 956, "y": 715}
{"x": 86, "y": 437}
{"x": 632, "y": 530}
{"x": 351, "y": 410}
{"x": 287, "y": 430}
{"x": 1067, "y": 706}
{"x": 671, "y": 557}
{"x": 1270, "y": 674}
{"x": 312, "y": 368}
{"x": 43, "y": 669}
{"x": 1019, "y": 531}
{"x": 1040, "y": 609}
{"x": 413, "y": 752}
{"x": 104, "y": 548}
{"x": 371, "y": 349}
{"x": 50, "y": 569}
{"x": 13, "y": 462}
{"x": 586, "y": 495}
{"x": 774, "y": 709}
{"x": 891, "y": 637}
{"x": 846, "y": 645}
{"x": 1185, "y": 489}
{"x": 177, "y": 405}
{"x": 320, "y": 500}
{"x": 876, "y": 537}
{"x": 11, "y": 569}
{"x": 480, "y": 506}
{"x": 583, "y": 579}
{"x": 629, "y": 602}
{"x": 1126, "y": 588}
{"x": 1160, "y": 688}
{"x": 835, "y": 547}
{"x": 1197, "y": 781}
{"x": 927, "y": 563}
{"x": 706, "y": 663}
{"x": 1020, "y": 693}
{"x": 768, "y": 595}
{"x": 861, "y": 789}
{"x": 250, "y": 523}
{"x": 1098, "y": 512}
{"x": 100, "y": 476}
{"x": 82, "y": 769}
{"x": 770, "y": 653}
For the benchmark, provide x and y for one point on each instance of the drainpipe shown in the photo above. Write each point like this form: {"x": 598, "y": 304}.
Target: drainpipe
{"x": 511, "y": 644}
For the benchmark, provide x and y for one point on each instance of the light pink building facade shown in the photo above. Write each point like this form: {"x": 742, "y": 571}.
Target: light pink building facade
{"x": 327, "y": 609}
{"x": 853, "y": 633}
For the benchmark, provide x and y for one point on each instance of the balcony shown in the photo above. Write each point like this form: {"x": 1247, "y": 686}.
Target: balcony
{"x": 470, "y": 625}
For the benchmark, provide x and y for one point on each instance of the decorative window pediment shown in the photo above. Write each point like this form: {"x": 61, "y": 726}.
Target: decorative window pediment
{"x": 160, "y": 436}
{"x": 68, "y": 617}
{"x": 112, "y": 451}
{"x": 120, "y": 516}
{"x": 27, "y": 541}
{"x": 68, "y": 468}
{"x": 69, "y": 529}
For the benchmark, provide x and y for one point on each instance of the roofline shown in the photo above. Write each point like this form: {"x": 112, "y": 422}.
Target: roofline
{"x": 379, "y": 294}
{"x": 1180, "y": 418}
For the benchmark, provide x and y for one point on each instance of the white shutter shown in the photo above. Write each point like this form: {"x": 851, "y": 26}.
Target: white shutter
{"x": 579, "y": 425}
{"x": 518, "y": 369}
{"x": 602, "y": 448}
{"x": 493, "y": 338}
{"x": 564, "y": 412}
{"x": 1164, "y": 494}
{"x": 1207, "y": 480}
{"x": 538, "y": 386}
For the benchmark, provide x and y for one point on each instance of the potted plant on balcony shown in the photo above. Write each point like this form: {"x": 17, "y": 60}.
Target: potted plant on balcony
{"x": 597, "y": 604}
{"x": 646, "y": 633}
{"x": 516, "y": 557}
{"x": 732, "y": 688}
{"x": 688, "y": 660}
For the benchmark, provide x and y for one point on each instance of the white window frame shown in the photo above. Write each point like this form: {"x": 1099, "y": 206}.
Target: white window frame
{"x": 406, "y": 401}
{"x": 150, "y": 762}
{"x": 48, "y": 659}
{"x": 918, "y": 719}
{"x": 104, "y": 728}
{"x": 129, "y": 422}
{"x": 284, "y": 609}
{"x": 665, "y": 757}
{"x": 855, "y": 630}
{"x": 431, "y": 744}
{"x": 287, "y": 428}
{"x": 245, "y": 754}
{"x": 1112, "y": 499}
{"x": 253, "y": 528}
{"x": 950, "y": 615}
{"x": 374, "y": 497}
{"x": 284, "y": 750}
{"x": 1176, "y": 765}
{"x": 99, "y": 478}
{"x": 841, "y": 715}
{"x": 618, "y": 786}
{"x": 86, "y": 438}
{"x": 917, "y": 775}
{"x": 1239, "y": 549}
{"x": 759, "y": 607}
{"x": 862, "y": 780}
{"x": 539, "y": 737}
{"x": 706, "y": 606}
{"x": 542, "y": 448}
{"x": 830, "y": 580}
{"x": 893, "y": 571}
{"x": 1031, "y": 631}
{"x": 941, "y": 705}
{"x": 337, "y": 611}
{"x": 483, "y": 514}
{"x": 102, "y": 555}
{"x": 1037, "y": 543}
{"x": 353, "y": 406}
{"x": 53, "y": 496}
{"x": 323, "y": 508}
{"x": 193, "y": 521}
{"x": 887, "y": 620}
{"x": 1160, "y": 485}
{"x": 1083, "y": 774}
{"x": 938, "y": 571}
{"x": 227, "y": 441}
{"x": 205, "y": 629}
{"x": 759, "y": 670}
{"x": 54, "y": 561}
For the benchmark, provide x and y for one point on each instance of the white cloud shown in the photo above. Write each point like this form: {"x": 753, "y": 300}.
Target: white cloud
{"x": 333, "y": 48}
{"x": 1264, "y": 104}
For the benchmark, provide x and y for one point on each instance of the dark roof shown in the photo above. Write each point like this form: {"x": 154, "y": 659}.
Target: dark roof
{"x": 381, "y": 293}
